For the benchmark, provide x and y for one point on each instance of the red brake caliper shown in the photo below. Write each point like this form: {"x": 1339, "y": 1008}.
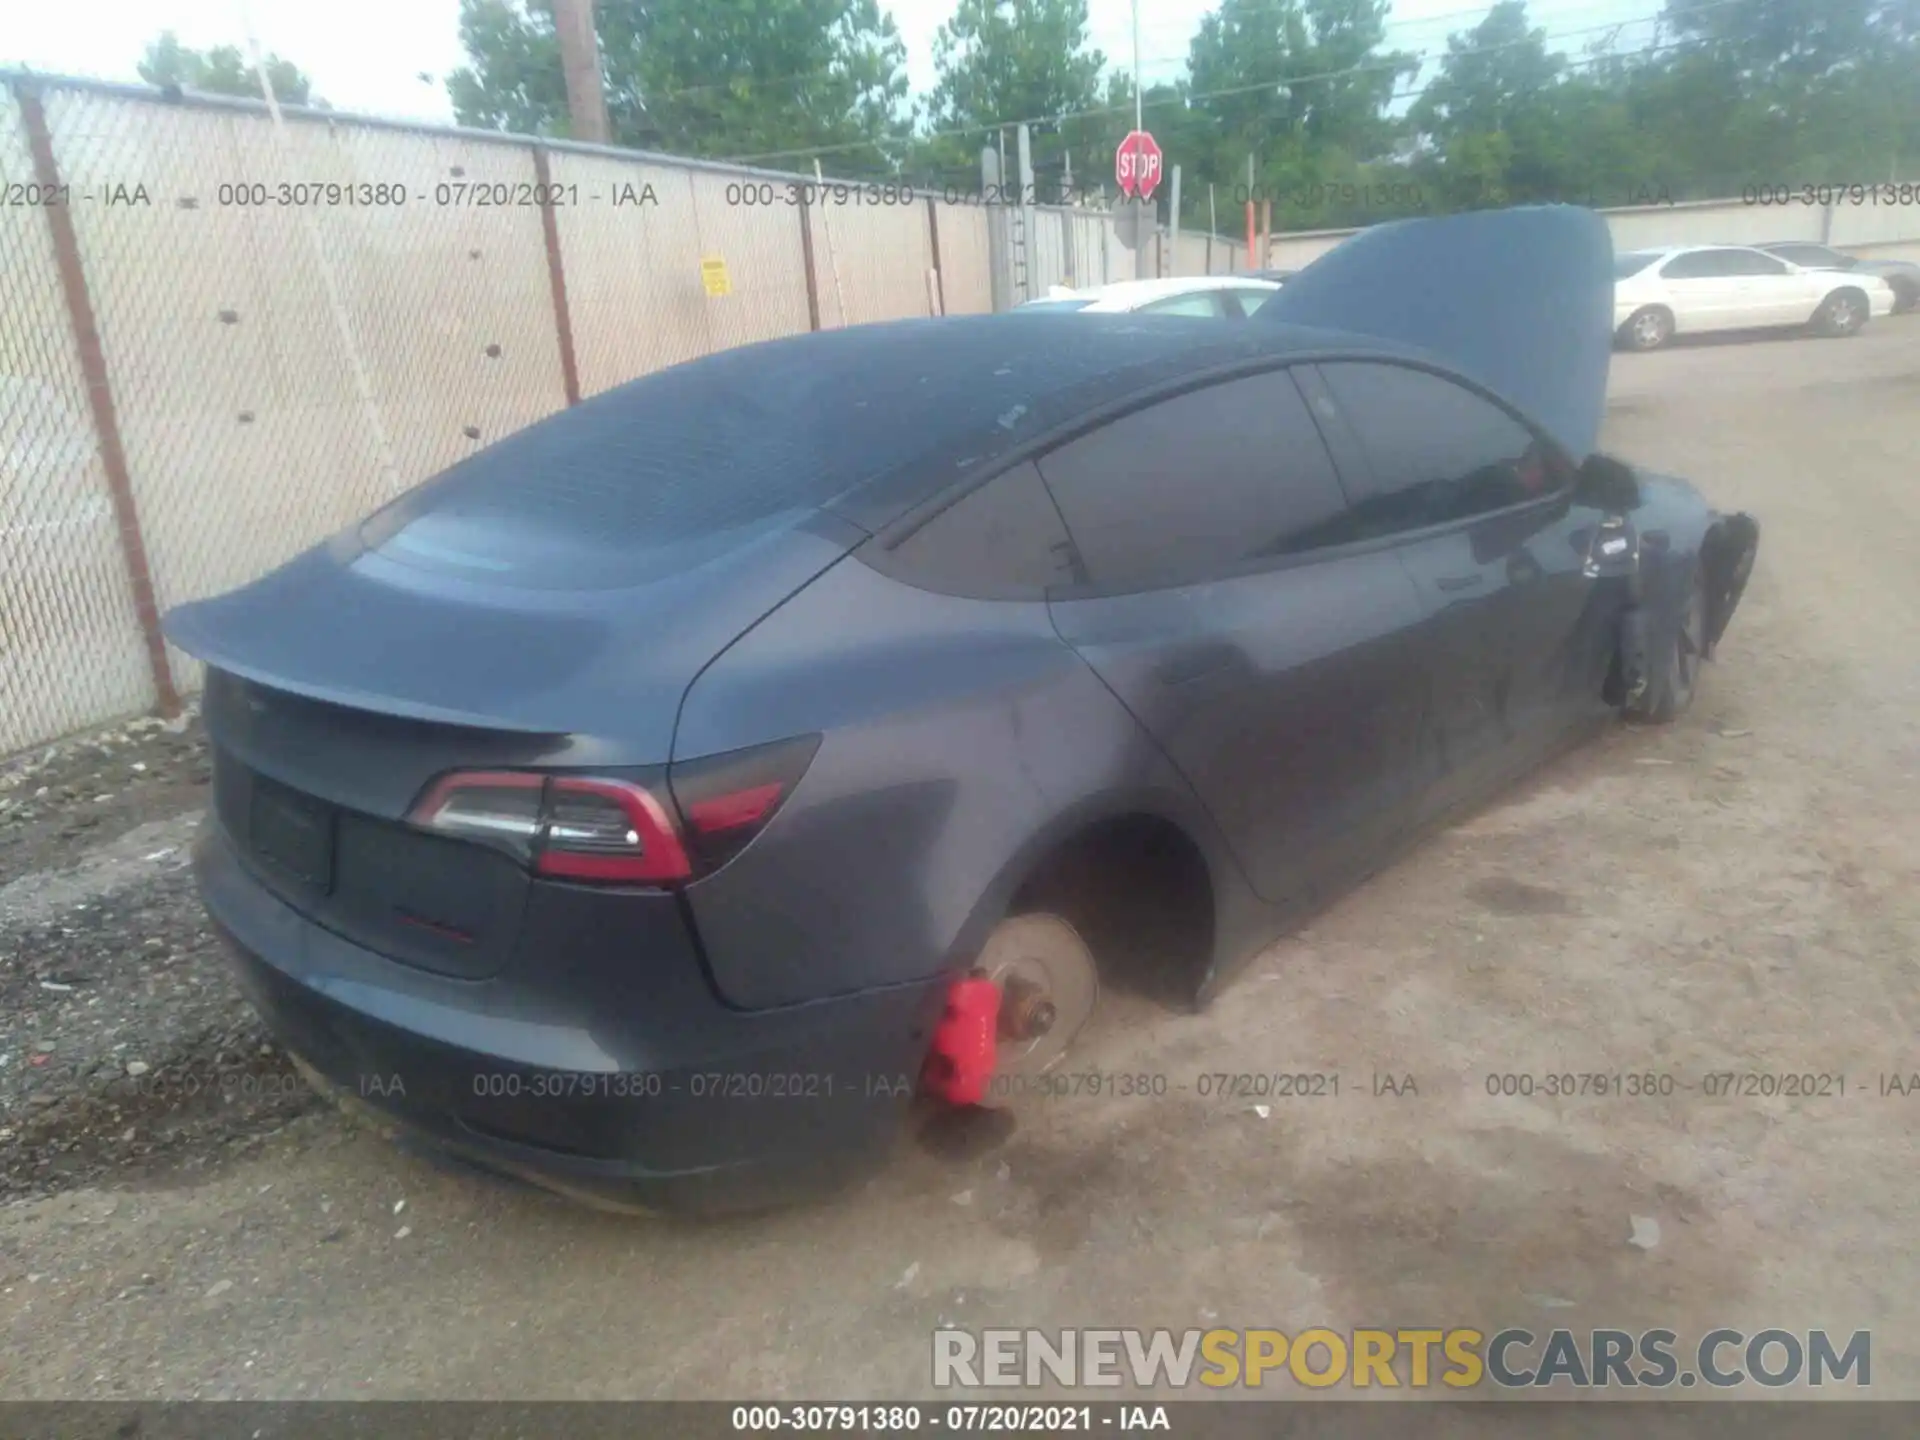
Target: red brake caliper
{"x": 960, "y": 1065}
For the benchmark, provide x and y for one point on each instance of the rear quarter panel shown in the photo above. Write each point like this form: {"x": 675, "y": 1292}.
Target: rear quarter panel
{"x": 962, "y": 740}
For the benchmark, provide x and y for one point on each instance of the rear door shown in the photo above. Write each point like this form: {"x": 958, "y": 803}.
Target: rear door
{"x": 1481, "y": 508}
{"x": 1275, "y": 663}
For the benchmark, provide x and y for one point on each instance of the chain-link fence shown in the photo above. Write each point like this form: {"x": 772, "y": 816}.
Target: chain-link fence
{"x": 224, "y": 338}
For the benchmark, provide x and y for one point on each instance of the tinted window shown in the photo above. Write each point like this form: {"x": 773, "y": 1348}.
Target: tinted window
{"x": 1252, "y": 300}
{"x": 1004, "y": 539}
{"x": 1437, "y": 451}
{"x": 1632, "y": 262}
{"x": 1752, "y": 262}
{"x": 1697, "y": 265}
{"x": 1201, "y": 304}
{"x": 1199, "y": 486}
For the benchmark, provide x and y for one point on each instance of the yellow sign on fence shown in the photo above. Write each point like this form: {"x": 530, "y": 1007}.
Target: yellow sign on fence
{"x": 713, "y": 275}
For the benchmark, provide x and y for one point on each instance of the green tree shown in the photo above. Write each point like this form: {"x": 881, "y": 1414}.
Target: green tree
{"x": 1303, "y": 87}
{"x": 715, "y": 78}
{"x": 1814, "y": 89}
{"x": 220, "y": 71}
{"x": 1492, "y": 115}
{"x": 1001, "y": 61}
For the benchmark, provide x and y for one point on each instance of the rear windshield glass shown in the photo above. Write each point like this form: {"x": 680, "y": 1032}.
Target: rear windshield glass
{"x": 1632, "y": 262}
{"x": 662, "y": 473}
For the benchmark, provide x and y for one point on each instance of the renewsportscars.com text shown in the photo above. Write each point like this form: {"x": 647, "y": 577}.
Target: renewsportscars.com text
{"x": 1451, "y": 1359}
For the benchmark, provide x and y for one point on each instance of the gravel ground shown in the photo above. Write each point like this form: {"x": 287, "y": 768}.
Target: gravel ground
{"x": 125, "y": 1051}
{"x": 1734, "y": 894}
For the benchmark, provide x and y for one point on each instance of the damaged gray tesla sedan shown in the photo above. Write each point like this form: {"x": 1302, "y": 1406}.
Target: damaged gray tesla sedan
{"x": 662, "y": 801}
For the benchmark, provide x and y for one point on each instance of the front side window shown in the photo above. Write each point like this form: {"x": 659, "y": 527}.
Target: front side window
{"x": 1199, "y": 487}
{"x": 1753, "y": 262}
{"x": 1816, "y": 257}
{"x": 1436, "y": 451}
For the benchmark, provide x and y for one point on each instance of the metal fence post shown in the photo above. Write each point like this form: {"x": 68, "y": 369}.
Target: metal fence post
{"x": 933, "y": 238}
{"x": 106, "y": 422}
{"x": 806, "y": 260}
{"x": 556, "y": 277}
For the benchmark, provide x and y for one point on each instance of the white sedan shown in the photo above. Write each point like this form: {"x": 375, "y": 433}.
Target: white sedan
{"x": 1232, "y": 297}
{"x": 1689, "y": 289}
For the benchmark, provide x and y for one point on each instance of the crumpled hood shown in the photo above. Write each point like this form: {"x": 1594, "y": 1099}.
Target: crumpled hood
{"x": 1520, "y": 300}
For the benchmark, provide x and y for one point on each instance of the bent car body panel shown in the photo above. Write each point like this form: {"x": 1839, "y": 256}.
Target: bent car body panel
{"x": 1520, "y": 300}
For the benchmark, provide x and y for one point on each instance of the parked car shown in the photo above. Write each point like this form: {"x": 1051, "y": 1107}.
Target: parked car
{"x": 1232, "y": 297}
{"x": 1279, "y": 277}
{"x": 1902, "y": 276}
{"x": 661, "y": 802}
{"x": 1690, "y": 289}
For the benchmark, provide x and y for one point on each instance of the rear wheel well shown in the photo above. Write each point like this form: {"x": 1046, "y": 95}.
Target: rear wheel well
{"x": 1139, "y": 891}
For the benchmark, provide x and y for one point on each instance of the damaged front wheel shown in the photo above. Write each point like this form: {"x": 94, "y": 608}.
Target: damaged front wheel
{"x": 1674, "y": 674}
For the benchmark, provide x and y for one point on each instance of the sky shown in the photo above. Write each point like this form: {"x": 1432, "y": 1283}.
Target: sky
{"x": 368, "y": 56}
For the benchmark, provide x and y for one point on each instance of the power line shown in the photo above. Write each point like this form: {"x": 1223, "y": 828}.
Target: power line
{"x": 1276, "y": 83}
{"x": 1146, "y": 61}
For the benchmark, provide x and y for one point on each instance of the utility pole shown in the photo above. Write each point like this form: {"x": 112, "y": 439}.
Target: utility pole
{"x": 1252, "y": 264}
{"x": 580, "y": 62}
{"x": 1175, "y": 245}
{"x": 1136, "y": 67}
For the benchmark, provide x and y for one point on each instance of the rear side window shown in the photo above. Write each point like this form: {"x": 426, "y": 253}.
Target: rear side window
{"x": 1199, "y": 486}
{"x": 1437, "y": 451}
{"x": 1003, "y": 540}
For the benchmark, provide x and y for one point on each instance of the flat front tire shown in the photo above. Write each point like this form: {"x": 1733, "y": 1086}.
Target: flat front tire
{"x": 1676, "y": 674}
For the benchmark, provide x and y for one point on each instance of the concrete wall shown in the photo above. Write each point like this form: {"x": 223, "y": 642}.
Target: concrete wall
{"x": 1880, "y": 231}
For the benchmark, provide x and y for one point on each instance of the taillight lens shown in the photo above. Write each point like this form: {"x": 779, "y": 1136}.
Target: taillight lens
{"x": 726, "y": 800}
{"x": 620, "y": 831}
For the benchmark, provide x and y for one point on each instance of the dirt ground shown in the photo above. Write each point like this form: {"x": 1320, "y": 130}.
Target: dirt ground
{"x": 1734, "y": 894}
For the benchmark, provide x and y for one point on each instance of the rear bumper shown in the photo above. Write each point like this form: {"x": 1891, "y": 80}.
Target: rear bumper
{"x": 661, "y": 1099}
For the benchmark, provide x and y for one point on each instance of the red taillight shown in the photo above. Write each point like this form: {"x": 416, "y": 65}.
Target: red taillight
{"x": 728, "y": 799}
{"x": 572, "y": 826}
{"x": 730, "y": 812}
{"x": 619, "y": 831}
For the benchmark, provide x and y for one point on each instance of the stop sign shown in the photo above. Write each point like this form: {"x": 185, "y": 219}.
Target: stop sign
{"x": 1136, "y": 164}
